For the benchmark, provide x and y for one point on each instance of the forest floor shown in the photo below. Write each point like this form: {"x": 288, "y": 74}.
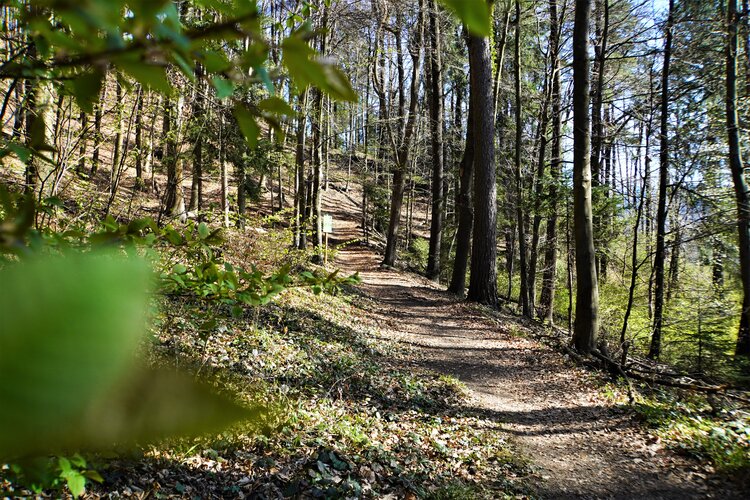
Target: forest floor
{"x": 580, "y": 442}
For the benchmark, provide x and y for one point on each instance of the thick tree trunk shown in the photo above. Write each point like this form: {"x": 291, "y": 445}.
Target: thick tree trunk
{"x": 661, "y": 212}
{"x": 483, "y": 280}
{"x": 587, "y": 287}
{"x": 742, "y": 194}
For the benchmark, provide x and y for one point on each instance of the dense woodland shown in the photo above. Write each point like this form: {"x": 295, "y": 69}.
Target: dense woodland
{"x": 576, "y": 163}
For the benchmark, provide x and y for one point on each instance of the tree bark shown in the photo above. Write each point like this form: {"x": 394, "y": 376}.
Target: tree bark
{"x": 465, "y": 209}
{"x": 196, "y": 185}
{"x": 522, "y": 250}
{"x": 404, "y": 150}
{"x": 661, "y": 211}
{"x": 483, "y": 281}
{"x": 587, "y": 287}
{"x": 300, "y": 238}
{"x": 742, "y": 194}
{"x": 549, "y": 276}
{"x": 139, "y": 182}
{"x": 436, "y": 125}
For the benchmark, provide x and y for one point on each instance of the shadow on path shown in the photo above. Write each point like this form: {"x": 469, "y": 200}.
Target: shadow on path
{"x": 581, "y": 445}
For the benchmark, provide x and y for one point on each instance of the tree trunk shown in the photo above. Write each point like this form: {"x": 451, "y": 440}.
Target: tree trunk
{"x": 742, "y": 194}
{"x": 661, "y": 212}
{"x": 117, "y": 148}
{"x": 550, "y": 255}
{"x": 300, "y": 238}
{"x": 317, "y": 160}
{"x": 522, "y": 251}
{"x": 483, "y": 281}
{"x": 223, "y": 170}
{"x": 84, "y": 121}
{"x": 436, "y": 125}
{"x": 587, "y": 288}
{"x": 174, "y": 201}
{"x": 538, "y": 194}
{"x": 597, "y": 123}
{"x": 404, "y": 150}
{"x": 464, "y": 208}
{"x": 196, "y": 186}
{"x": 98, "y": 128}
{"x": 140, "y": 184}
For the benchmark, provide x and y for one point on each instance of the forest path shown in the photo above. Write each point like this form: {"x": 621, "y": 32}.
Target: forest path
{"x": 580, "y": 445}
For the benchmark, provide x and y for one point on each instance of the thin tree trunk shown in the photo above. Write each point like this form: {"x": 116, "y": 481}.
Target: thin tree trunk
{"x": 404, "y": 150}
{"x": 84, "y": 120}
{"x": 465, "y": 209}
{"x": 117, "y": 148}
{"x": 661, "y": 213}
{"x": 196, "y": 185}
{"x": 139, "y": 182}
{"x": 436, "y": 122}
{"x": 299, "y": 166}
{"x": 99, "y": 111}
{"x": 550, "y": 255}
{"x": 223, "y": 170}
{"x": 522, "y": 250}
{"x": 634, "y": 269}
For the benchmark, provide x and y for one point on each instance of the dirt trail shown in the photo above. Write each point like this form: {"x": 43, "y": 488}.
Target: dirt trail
{"x": 579, "y": 444}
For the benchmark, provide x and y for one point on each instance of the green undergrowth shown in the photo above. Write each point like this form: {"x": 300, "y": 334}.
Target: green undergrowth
{"x": 696, "y": 426}
{"x": 351, "y": 416}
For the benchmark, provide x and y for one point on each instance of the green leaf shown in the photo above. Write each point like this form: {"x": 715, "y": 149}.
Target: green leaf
{"x": 93, "y": 475}
{"x": 475, "y": 14}
{"x": 305, "y": 70}
{"x": 86, "y": 88}
{"x": 215, "y": 62}
{"x": 224, "y": 88}
{"x": 203, "y": 231}
{"x": 76, "y": 483}
{"x": 248, "y": 125}
{"x": 52, "y": 365}
{"x": 277, "y": 106}
{"x": 154, "y": 403}
{"x": 69, "y": 378}
{"x": 151, "y": 77}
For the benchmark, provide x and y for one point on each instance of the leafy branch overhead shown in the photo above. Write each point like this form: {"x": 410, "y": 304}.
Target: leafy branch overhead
{"x": 76, "y": 43}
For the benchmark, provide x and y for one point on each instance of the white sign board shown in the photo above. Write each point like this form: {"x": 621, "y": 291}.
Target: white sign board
{"x": 327, "y": 223}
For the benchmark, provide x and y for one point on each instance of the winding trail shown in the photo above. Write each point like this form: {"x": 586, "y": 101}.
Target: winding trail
{"x": 579, "y": 444}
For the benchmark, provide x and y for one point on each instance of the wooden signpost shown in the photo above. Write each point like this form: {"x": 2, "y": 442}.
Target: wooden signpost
{"x": 327, "y": 229}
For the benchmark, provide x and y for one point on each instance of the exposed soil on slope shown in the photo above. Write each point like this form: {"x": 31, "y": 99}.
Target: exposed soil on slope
{"x": 580, "y": 444}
